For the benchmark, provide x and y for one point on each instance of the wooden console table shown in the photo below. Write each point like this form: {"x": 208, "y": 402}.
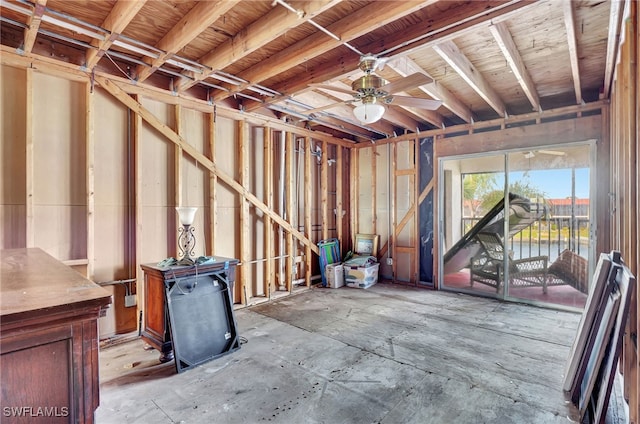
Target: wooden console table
{"x": 158, "y": 281}
{"x": 48, "y": 339}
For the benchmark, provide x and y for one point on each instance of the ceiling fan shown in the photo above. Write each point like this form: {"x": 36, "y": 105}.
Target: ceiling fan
{"x": 532, "y": 153}
{"x": 371, "y": 93}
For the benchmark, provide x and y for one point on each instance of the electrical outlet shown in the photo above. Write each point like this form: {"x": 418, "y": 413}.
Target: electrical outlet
{"x": 389, "y": 261}
{"x": 130, "y": 301}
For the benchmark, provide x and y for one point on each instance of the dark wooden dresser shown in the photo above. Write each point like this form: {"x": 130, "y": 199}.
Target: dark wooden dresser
{"x": 48, "y": 340}
{"x": 196, "y": 303}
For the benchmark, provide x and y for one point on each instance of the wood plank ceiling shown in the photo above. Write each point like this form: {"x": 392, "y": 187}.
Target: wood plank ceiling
{"x": 487, "y": 59}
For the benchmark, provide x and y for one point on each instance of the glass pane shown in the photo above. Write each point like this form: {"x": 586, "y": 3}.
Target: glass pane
{"x": 549, "y": 258}
{"x": 473, "y": 195}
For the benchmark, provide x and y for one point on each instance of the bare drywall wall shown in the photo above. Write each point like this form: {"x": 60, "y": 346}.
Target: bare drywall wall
{"x": 114, "y": 214}
{"x": 157, "y": 213}
{"x": 59, "y": 191}
{"x": 13, "y": 189}
{"x": 227, "y": 241}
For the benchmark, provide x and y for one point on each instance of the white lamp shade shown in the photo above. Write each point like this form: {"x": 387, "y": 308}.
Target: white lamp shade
{"x": 368, "y": 113}
{"x": 186, "y": 215}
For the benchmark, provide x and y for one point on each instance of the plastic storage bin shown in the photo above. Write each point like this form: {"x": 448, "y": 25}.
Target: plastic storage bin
{"x": 361, "y": 272}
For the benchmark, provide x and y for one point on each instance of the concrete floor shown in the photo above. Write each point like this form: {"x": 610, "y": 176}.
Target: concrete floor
{"x": 387, "y": 354}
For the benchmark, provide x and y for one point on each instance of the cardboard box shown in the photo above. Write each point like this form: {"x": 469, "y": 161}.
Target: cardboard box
{"x": 361, "y": 277}
{"x": 335, "y": 275}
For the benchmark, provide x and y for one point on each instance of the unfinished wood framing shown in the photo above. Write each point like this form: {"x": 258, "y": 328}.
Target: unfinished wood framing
{"x": 134, "y": 133}
{"x": 415, "y": 211}
{"x": 392, "y": 245}
{"x": 355, "y": 160}
{"x": 90, "y": 178}
{"x": 117, "y": 20}
{"x": 625, "y": 201}
{"x": 30, "y": 222}
{"x": 289, "y": 157}
{"x": 308, "y": 207}
{"x": 178, "y": 170}
{"x": 245, "y": 288}
{"x": 71, "y": 86}
{"x": 212, "y": 217}
{"x": 339, "y": 194}
{"x": 175, "y": 138}
{"x": 563, "y": 125}
{"x": 33, "y": 25}
{"x": 324, "y": 184}
{"x": 407, "y": 247}
{"x": 269, "y": 280}
{"x": 374, "y": 189}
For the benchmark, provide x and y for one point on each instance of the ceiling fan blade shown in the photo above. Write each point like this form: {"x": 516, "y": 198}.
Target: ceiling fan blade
{"x": 325, "y": 107}
{"x": 332, "y": 88}
{"x": 551, "y": 152}
{"x": 406, "y": 83}
{"x": 416, "y": 102}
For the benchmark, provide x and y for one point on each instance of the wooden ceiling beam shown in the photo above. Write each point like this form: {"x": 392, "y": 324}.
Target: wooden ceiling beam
{"x": 33, "y": 24}
{"x": 505, "y": 41}
{"x": 463, "y": 66}
{"x": 119, "y": 17}
{"x": 352, "y": 26}
{"x": 198, "y": 19}
{"x": 569, "y": 23}
{"x": 615, "y": 17}
{"x": 404, "y": 66}
{"x": 454, "y": 21}
{"x": 271, "y": 26}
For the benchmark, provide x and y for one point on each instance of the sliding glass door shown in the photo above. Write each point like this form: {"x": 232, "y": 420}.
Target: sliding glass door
{"x": 518, "y": 225}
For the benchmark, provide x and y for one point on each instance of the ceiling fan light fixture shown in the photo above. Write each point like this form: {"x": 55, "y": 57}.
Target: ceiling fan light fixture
{"x": 368, "y": 112}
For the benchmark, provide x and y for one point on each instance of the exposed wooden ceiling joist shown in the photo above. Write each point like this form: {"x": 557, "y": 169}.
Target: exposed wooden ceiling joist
{"x": 33, "y": 24}
{"x": 458, "y": 18}
{"x": 272, "y": 25}
{"x": 463, "y": 66}
{"x": 274, "y": 52}
{"x": 404, "y": 66}
{"x": 573, "y": 48}
{"x": 121, "y": 14}
{"x": 615, "y": 17}
{"x": 503, "y": 37}
{"x": 347, "y": 29}
{"x": 190, "y": 26}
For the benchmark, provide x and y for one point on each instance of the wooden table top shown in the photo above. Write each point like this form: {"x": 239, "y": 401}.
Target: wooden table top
{"x": 219, "y": 263}
{"x": 33, "y": 281}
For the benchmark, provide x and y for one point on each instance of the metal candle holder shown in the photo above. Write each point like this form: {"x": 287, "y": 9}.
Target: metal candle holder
{"x": 186, "y": 235}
